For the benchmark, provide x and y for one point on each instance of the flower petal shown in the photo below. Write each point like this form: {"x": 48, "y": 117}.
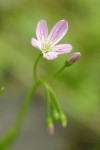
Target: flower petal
{"x": 35, "y": 43}
{"x": 62, "y": 48}
{"x": 58, "y": 32}
{"x": 50, "y": 55}
{"x": 42, "y": 30}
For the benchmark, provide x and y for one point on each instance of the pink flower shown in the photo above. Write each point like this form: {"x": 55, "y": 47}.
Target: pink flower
{"x": 46, "y": 43}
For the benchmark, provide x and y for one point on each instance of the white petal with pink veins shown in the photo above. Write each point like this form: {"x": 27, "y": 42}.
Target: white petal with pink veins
{"x": 50, "y": 55}
{"x": 62, "y": 48}
{"x": 35, "y": 43}
{"x": 58, "y": 32}
{"x": 42, "y": 30}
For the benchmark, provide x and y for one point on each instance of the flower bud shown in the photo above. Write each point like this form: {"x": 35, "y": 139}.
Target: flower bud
{"x": 50, "y": 130}
{"x": 63, "y": 120}
{"x": 50, "y": 126}
{"x": 74, "y": 57}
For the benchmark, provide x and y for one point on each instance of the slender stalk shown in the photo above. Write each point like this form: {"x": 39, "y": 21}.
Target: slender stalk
{"x": 48, "y": 101}
{"x": 25, "y": 105}
{"x": 35, "y": 67}
{"x": 28, "y": 98}
{"x": 54, "y": 73}
{"x": 12, "y": 134}
{"x": 54, "y": 97}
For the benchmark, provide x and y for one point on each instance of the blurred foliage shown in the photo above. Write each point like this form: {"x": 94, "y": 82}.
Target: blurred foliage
{"x": 79, "y": 85}
{"x": 1, "y": 90}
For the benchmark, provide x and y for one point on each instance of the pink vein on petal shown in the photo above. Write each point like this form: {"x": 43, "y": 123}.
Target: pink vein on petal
{"x": 58, "y": 32}
{"x": 50, "y": 55}
{"x": 62, "y": 48}
{"x": 42, "y": 30}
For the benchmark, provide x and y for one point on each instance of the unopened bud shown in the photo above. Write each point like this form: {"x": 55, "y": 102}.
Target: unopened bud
{"x": 63, "y": 120}
{"x": 50, "y": 130}
{"x": 50, "y": 126}
{"x": 74, "y": 57}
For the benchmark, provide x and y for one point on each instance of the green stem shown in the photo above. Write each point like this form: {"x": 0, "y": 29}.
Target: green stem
{"x": 48, "y": 102}
{"x": 9, "y": 137}
{"x": 35, "y": 67}
{"x": 12, "y": 134}
{"x": 55, "y": 101}
{"x": 25, "y": 105}
{"x": 27, "y": 101}
{"x": 54, "y": 73}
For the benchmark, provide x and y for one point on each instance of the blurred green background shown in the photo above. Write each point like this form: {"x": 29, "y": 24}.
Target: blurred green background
{"x": 78, "y": 87}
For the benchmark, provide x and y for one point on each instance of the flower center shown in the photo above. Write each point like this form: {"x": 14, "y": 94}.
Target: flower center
{"x": 46, "y": 47}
